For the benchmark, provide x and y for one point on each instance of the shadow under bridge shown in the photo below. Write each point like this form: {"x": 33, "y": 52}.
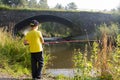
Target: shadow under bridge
{"x": 42, "y": 18}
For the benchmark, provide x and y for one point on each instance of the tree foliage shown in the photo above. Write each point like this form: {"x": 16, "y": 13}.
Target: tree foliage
{"x": 32, "y": 3}
{"x": 59, "y": 6}
{"x": 43, "y": 4}
{"x": 71, "y": 6}
{"x": 0, "y": 1}
{"x": 53, "y": 29}
{"x": 118, "y": 7}
{"x": 14, "y": 2}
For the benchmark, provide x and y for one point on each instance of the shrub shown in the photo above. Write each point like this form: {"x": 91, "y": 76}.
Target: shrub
{"x": 104, "y": 63}
{"x": 15, "y": 56}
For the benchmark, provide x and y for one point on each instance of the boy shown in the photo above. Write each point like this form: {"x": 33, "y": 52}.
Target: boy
{"x": 35, "y": 40}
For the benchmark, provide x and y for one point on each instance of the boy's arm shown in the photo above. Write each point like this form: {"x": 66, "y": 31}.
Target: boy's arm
{"x": 26, "y": 42}
{"x": 41, "y": 38}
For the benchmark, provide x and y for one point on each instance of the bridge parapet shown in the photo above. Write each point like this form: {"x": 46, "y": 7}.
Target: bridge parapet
{"x": 81, "y": 20}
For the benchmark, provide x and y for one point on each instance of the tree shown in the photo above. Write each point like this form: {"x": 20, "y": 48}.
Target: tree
{"x": 118, "y": 7}
{"x": 15, "y": 2}
{"x": 113, "y": 10}
{"x": 59, "y": 6}
{"x": 7, "y": 2}
{"x": 23, "y": 3}
{"x": 71, "y": 6}
{"x": 43, "y": 4}
{"x": 0, "y": 2}
{"x": 32, "y": 3}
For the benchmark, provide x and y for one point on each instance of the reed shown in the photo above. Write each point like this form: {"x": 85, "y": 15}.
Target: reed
{"x": 104, "y": 59}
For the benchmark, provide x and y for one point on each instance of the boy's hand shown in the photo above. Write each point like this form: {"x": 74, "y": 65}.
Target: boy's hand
{"x": 26, "y": 42}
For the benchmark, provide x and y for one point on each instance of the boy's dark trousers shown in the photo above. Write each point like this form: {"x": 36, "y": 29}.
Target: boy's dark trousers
{"x": 37, "y": 64}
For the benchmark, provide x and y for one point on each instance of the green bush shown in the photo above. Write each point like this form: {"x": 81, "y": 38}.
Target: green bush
{"x": 15, "y": 56}
{"x": 83, "y": 66}
{"x": 104, "y": 63}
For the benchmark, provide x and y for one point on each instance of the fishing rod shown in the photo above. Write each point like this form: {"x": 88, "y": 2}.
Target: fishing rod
{"x": 70, "y": 41}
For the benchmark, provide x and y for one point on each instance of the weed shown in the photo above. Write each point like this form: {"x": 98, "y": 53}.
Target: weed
{"x": 15, "y": 56}
{"x": 104, "y": 63}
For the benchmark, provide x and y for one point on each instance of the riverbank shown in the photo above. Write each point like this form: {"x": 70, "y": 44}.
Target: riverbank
{"x": 50, "y": 74}
{"x": 4, "y": 76}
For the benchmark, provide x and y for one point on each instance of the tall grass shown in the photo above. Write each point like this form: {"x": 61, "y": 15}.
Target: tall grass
{"x": 15, "y": 56}
{"x": 83, "y": 66}
{"x": 104, "y": 63}
{"x": 114, "y": 60}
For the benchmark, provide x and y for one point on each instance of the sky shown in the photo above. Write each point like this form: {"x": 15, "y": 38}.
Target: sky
{"x": 88, "y": 4}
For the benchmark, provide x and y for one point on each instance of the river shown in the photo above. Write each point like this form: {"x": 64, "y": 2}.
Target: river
{"x": 62, "y": 62}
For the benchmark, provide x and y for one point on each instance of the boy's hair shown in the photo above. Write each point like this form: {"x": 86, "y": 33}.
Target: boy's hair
{"x": 34, "y": 23}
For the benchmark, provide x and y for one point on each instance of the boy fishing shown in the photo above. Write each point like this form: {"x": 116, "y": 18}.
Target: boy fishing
{"x": 35, "y": 40}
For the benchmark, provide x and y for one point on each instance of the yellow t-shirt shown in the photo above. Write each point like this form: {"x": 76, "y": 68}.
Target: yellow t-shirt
{"x": 34, "y": 39}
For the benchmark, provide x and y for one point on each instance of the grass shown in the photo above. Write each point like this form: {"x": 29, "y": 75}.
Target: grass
{"x": 104, "y": 61}
{"x": 15, "y": 56}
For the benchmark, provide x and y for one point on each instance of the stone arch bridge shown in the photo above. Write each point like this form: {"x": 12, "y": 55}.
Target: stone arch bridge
{"x": 80, "y": 22}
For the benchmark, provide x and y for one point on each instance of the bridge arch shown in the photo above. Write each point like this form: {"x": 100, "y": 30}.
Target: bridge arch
{"x": 42, "y": 18}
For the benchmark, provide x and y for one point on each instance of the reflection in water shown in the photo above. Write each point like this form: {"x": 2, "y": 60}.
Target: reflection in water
{"x": 65, "y": 72}
{"x": 63, "y": 54}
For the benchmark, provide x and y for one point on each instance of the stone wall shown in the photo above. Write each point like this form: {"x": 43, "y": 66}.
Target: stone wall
{"x": 83, "y": 20}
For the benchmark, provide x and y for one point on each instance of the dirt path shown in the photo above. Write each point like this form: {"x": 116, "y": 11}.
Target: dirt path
{"x": 9, "y": 77}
